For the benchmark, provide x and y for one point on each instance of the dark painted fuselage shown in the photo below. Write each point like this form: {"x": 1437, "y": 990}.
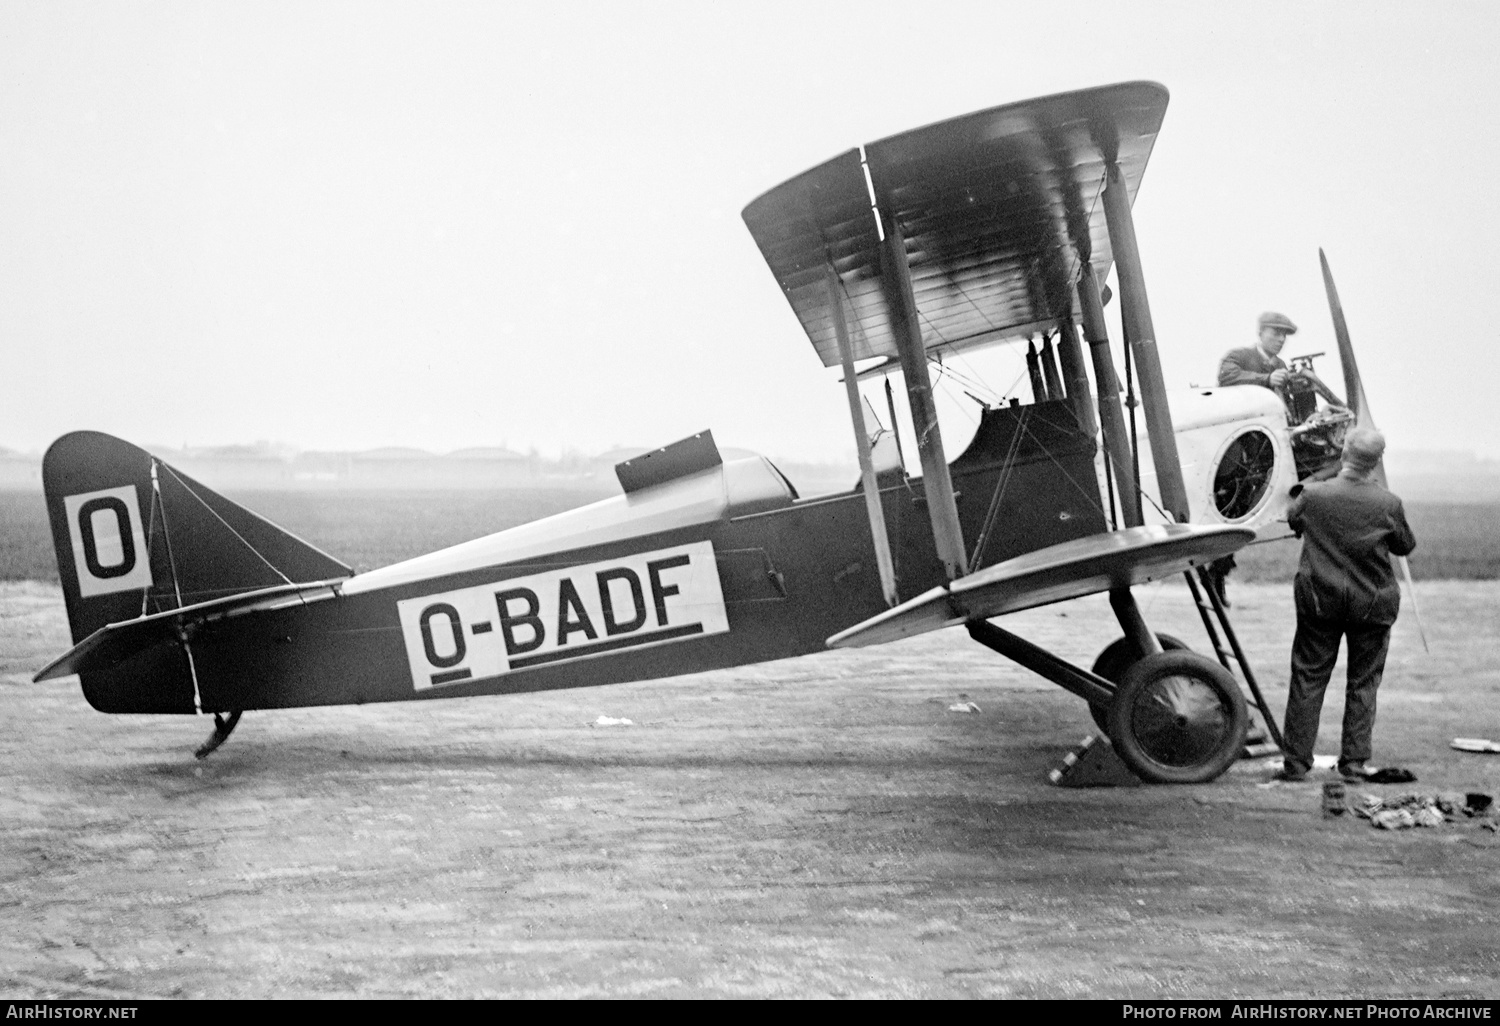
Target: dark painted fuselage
{"x": 789, "y": 577}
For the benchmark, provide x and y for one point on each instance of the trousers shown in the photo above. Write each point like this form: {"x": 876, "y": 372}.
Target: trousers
{"x": 1314, "y": 651}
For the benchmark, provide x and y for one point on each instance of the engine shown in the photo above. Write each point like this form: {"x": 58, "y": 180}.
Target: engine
{"x": 1243, "y": 448}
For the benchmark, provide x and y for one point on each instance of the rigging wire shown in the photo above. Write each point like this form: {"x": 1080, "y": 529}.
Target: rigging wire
{"x": 150, "y": 542}
{"x": 204, "y": 503}
{"x": 1109, "y": 487}
{"x": 970, "y": 300}
{"x": 1023, "y": 429}
{"x": 1145, "y": 495}
{"x": 968, "y": 381}
{"x": 166, "y": 528}
{"x": 166, "y": 534}
{"x": 1011, "y": 391}
{"x": 1007, "y": 465}
{"x": 1130, "y": 401}
{"x": 1092, "y": 498}
{"x": 948, "y": 391}
{"x": 976, "y": 377}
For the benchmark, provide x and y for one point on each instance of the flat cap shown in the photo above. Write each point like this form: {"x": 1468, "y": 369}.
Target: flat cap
{"x": 1272, "y": 319}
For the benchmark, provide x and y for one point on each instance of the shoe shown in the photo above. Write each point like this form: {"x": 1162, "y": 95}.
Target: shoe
{"x": 1390, "y": 775}
{"x": 1289, "y": 776}
{"x": 1356, "y": 773}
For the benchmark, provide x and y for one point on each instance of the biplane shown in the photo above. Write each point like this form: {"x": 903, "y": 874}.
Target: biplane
{"x": 982, "y": 230}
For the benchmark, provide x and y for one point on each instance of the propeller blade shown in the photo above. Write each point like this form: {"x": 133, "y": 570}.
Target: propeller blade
{"x": 1354, "y": 389}
{"x": 1411, "y": 588}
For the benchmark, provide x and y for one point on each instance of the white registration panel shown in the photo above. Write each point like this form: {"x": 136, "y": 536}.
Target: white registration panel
{"x": 648, "y": 598}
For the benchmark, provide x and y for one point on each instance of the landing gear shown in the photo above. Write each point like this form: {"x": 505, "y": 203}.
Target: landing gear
{"x": 1178, "y": 718}
{"x": 1119, "y": 656}
{"x": 1174, "y": 718}
{"x": 223, "y": 727}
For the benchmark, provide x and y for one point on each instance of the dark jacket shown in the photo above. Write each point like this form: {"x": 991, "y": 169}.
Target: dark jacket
{"x": 1350, "y": 528}
{"x": 1248, "y": 366}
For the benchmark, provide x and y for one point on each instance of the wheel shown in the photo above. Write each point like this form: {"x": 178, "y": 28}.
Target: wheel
{"x": 1178, "y": 718}
{"x": 1117, "y": 657}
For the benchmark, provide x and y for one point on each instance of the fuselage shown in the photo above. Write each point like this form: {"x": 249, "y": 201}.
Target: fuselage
{"x": 718, "y": 568}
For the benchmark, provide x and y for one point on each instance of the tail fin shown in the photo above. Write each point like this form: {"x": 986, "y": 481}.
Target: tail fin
{"x": 135, "y": 536}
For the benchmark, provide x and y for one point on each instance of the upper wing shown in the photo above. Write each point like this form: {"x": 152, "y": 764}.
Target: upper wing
{"x": 997, "y": 208}
{"x": 1100, "y": 562}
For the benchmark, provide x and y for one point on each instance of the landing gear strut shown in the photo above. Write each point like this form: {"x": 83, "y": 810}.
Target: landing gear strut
{"x": 223, "y": 727}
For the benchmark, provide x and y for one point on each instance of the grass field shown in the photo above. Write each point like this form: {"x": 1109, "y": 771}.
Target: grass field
{"x": 1455, "y": 541}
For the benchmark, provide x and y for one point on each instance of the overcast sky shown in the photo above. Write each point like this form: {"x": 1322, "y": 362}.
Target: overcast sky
{"x": 447, "y": 225}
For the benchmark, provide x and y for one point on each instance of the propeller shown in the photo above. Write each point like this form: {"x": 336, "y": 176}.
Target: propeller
{"x": 1354, "y": 389}
{"x": 1359, "y": 405}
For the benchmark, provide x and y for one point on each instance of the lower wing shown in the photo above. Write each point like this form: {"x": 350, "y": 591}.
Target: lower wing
{"x": 1102, "y": 562}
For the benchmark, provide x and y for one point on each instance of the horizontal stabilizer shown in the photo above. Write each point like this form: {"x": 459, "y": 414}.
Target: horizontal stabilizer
{"x": 1072, "y": 569}
{"x": 117, "y": 642}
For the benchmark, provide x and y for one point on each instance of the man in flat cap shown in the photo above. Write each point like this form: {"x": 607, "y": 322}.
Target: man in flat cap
{"x": 1345, "y": 588}
{"x": 1259, "y": 364}
{"x": 1253, "y": 365}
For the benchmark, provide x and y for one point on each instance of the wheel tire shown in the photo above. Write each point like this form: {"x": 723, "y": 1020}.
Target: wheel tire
{"x": 1178, "y": 718}
{"x": 1117, "y": 657}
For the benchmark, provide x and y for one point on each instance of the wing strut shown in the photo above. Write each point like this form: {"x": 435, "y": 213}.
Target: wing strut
{"x": 1076, "y": 378}
{"x": 1135, "y": 311}
{"x": 1112, "y": 418}
{"x": 873, "y": 505}
{"x": 895, "y": 281}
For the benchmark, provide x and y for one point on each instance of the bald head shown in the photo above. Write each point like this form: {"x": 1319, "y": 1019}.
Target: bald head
{"x": 1363, "y": 448}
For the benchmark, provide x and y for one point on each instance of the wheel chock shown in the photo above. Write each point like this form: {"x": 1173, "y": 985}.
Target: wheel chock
{"x": 1094, "y": 764}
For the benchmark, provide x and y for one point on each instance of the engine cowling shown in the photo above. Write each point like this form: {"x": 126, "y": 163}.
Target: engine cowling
{"x": 1236, "y": 453}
